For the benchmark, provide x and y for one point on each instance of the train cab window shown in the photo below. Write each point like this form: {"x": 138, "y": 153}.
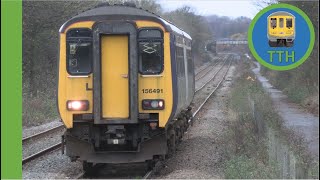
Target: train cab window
{"x": 281, "y": 22}
{"x": 273, "y": 22}
{"x": 79, "y": 51}
{"x": 289, "y": 23}
{"x": 150, "y": 51}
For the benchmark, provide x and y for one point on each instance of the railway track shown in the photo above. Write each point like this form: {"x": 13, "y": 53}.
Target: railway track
{"x": 46, "y": 150}
{"x": 124, "y": 171}
{"x": 214, "y": 75}
{"x": 205, "y": 72}
{"x": 42, "y": 133}
{"x": 214, "y": 89}
{"x": 41, "y": 153}
{"x": 202, "y": 69}
{"x": 148, "y": 175}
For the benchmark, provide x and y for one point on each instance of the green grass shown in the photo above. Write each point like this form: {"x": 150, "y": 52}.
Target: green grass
{"x": 246, "y": 151}
{"x": 243, "y": 167}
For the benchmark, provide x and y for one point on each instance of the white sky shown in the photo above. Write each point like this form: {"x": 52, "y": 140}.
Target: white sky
{"x": 231, "y": 8}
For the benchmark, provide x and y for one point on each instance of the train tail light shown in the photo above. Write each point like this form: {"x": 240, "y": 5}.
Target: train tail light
{"x": 152, "y": 104}
{"x": 78, "y": 105}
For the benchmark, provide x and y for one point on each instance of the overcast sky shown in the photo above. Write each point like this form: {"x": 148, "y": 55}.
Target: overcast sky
{"x": 231, "y": 8}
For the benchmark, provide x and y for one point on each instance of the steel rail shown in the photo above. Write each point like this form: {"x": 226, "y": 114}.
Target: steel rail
{"x": 80, "y": 176}
{"x": 212, "y": 66}
{"x": 202, "y": 70}
{"x": 211, "y": 77}
{"x": 148, "y": 174}
{"x": 41, "y": 153}
{"x": 42, "y": 133}
{"x": 203, "y": 103}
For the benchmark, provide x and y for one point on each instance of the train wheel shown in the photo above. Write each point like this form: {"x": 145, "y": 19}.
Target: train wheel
{"x": 179, "y": 131}
{"x": 171, "y": 142}
{"x": 273, "y": 44}
{"x": 186, "y": 126}
{"x": 87, "y": 167}
{"x": 281, "y": 43}
{"x": 178, "y": 134}
{"x": 289, "y": 44}
{"x": 150, "y": 165}
{"x": 189, "y": 116}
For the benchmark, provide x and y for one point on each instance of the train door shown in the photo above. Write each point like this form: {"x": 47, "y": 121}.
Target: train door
{"x": 115, "y": 73}
{"x": 281, "y": 25}
{"x": 114, "y": 76}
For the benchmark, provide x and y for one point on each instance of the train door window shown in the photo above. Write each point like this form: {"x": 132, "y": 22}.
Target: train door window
{"x": 281, "y": 22}
{"x": 289, "y": 23}
{"x": 273, "y": 22}
{"x": 150, "y": 51}
{"x": 79, "y": 51}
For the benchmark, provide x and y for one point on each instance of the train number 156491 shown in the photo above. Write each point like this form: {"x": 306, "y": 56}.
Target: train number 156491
{"x": 152, "y": 91}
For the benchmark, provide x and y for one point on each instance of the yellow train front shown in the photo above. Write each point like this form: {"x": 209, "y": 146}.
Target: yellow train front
{"x": 126, "y": 81}
{"x": 281, "y": 29}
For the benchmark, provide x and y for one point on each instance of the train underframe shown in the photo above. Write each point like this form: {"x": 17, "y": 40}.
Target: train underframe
{"x": 124, "y": 143}
{"x": 284, "y": 42}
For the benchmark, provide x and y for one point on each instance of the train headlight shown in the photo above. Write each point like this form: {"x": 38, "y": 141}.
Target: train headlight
{"x": 78, "y": 105}
{"x": 152, "y": 104}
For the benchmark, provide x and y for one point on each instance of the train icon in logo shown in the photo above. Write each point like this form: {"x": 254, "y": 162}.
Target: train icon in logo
{"x": 281, "y": 29}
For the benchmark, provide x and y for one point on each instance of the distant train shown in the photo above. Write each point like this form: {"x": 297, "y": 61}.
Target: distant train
{"x": 126, "y": 82}
{"x": 281, "y": 29}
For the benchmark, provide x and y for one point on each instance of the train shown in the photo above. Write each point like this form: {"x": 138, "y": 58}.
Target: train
{"x": 281, "y": 29}
{"x": 125, "y": 86}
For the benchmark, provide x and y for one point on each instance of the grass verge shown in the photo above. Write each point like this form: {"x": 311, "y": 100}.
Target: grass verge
{"x": 247, "y": 153}
{"x": 38, "y": 110}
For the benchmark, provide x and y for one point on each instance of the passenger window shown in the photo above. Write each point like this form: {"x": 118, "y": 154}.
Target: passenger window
{"x": 273, "y": 22}
{"x": 79, "y": 51}
{"x": 150, "y": 51}
{"x": 281, "y": 22}
{"x": 289, "y": 22}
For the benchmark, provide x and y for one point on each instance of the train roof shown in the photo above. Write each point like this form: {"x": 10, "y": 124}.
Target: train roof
{"x": 122, "y": 12}
{"x": 281, "y": 13}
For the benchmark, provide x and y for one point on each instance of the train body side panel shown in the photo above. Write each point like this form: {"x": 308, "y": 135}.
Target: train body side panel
{"x": 161, "y": 83}
{"x": 184, "y": 74}
{"x": 70, "y": 88}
